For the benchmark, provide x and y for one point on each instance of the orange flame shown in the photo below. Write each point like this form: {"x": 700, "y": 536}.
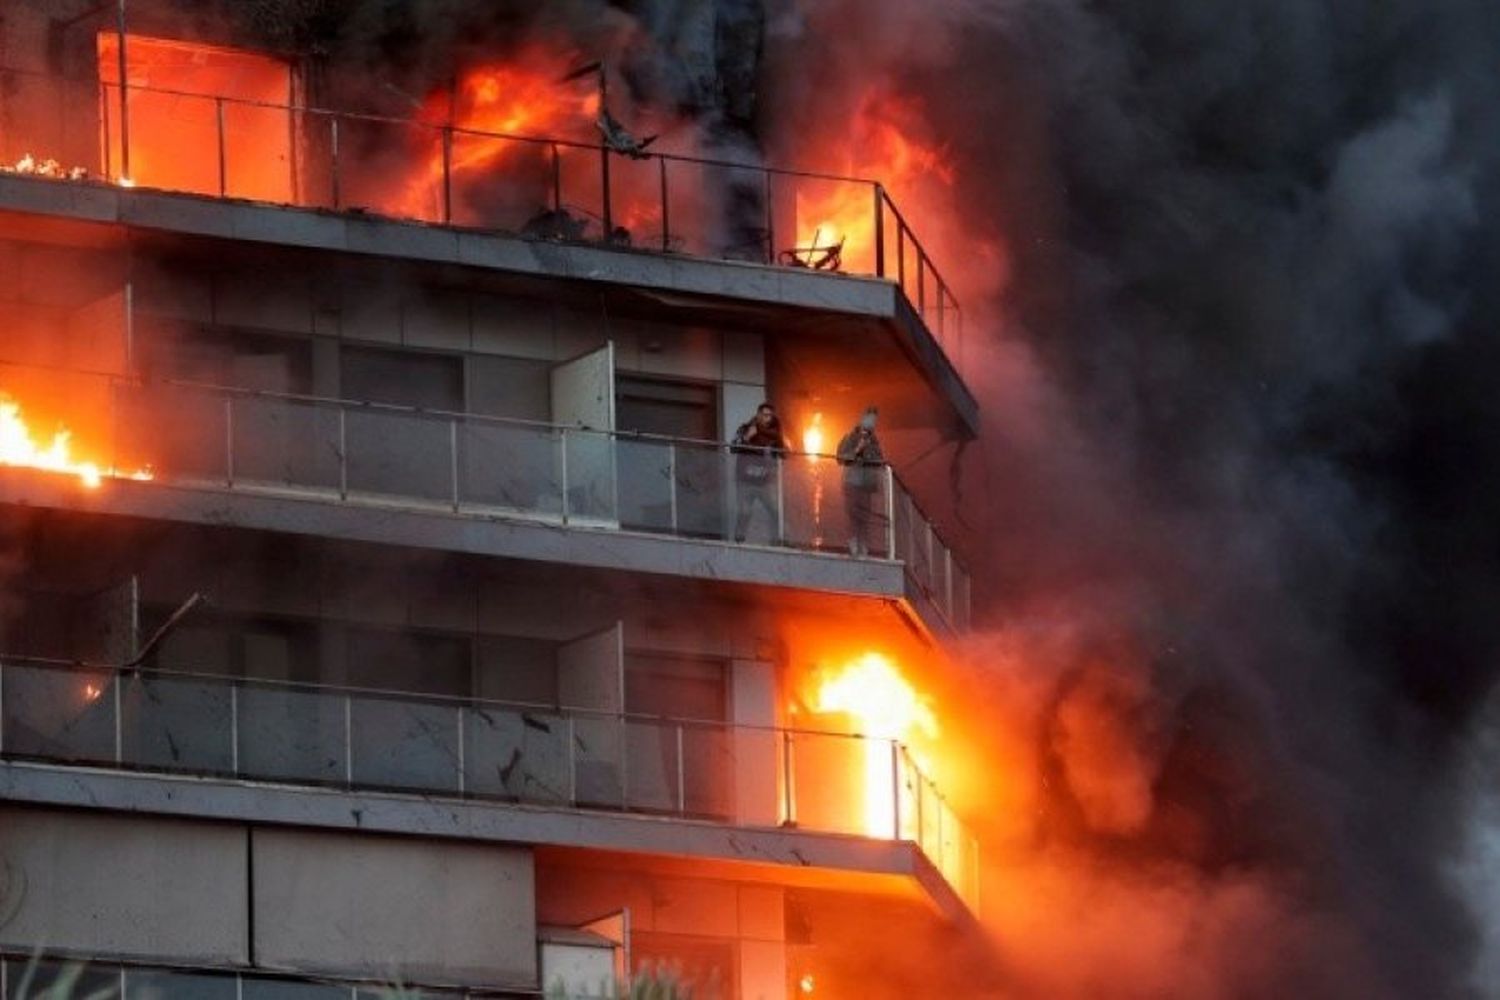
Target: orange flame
{"x": 525, "y": 98}
{"x": 19, "y": 448}
{"x": 887, "y": 710}
{"x": 812, "y": 436}
{"x": 830, "y": 213}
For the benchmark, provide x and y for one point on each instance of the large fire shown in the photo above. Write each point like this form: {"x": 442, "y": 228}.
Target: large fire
{"x": 19, "y": 447}
{"x": 527, "y": 97}
{"x": 882, "y": 147}
{"x": 886, "y": 710}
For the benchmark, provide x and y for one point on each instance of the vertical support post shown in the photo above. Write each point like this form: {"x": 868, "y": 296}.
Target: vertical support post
{"x": 447, "y": 174}
{"x": 2, "y": 738}
{"x": 562, "y": 466}
{"x": 672, "y": 481}
{"x": 770, "y": 219}
{"x": 333, "y": 147}
{"x": 921, "y": 284}
{"x": 937, "y": 852}
{"x": 556, "y": 179}
{"x": 458, "y": 714}
{"x": 343, "y": 454}
{"x": 223, "y": 164}
{"x": 108, "y": 156}
{"x": 917, "y": 780}
{"x": 879, "y": 230}
{"x": 890, "y": 513}
{"x": 789, "y": 780}
{"x": 895, "y": 790}
{"x": 229, "y": 441}
{"x": 572, "y": 760}
{"x": 349, "y": 740}
{"x": 901, "y": 255}
{"x": 948, "y": 606}
{"x": 931, "y": 563}
{"x": 453, "y": 460}
{"x": 624, "y": 761}
{"x": 124, "y": 94}
{"x": 234, "y": 729}
{"x": 666, "y": 207}
{"x": 780, "y": 538}
{"x": 119, "y": 702}
{"x": 681, "y": 776}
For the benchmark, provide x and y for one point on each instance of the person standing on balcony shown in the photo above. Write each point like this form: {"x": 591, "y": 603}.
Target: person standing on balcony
{"x": 863, "y": 461}
{"x": 758, "y": 445}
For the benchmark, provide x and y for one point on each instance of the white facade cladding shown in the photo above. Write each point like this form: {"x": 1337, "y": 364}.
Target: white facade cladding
{"x": 110, "y": 885}
{"x": 397, "y": 909}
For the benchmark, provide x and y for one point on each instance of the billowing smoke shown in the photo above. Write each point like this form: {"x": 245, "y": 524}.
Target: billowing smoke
{"x": 1239, "y": 463}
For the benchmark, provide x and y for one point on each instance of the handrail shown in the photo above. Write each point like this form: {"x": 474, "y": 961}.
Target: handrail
{"x": 916, "y": 288}
{"x": 456, "y": 701}
{"x": 96, "y": 725}
{"x": 898, "y": 489}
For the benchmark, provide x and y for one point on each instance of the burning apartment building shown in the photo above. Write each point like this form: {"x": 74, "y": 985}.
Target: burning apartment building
{"x": 383, "y": 602}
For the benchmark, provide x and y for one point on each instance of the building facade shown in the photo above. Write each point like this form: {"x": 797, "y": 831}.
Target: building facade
{"x": 392, "y": 611}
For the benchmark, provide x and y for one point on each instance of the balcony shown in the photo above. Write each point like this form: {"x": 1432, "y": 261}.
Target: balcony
{"x": 544, "y": 189}
{"x": 280, "y": 733}
{"x": 460, "y": 471}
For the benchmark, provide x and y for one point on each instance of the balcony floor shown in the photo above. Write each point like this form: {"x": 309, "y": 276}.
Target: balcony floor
{"x": 783, "y": 856}
{"x": 794, "y": 301}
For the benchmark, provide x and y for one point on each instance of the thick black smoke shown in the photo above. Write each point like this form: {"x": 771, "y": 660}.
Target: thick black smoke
{"x": 1253, "y": 255}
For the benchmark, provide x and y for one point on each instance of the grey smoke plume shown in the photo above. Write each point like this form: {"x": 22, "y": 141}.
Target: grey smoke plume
{"x": 1242, "y": 448}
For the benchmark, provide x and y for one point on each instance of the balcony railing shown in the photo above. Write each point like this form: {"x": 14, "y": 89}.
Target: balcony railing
{"x": 303, "y": 734}
{"x": 538, "y": 186}
{"x": 34, "y": 977}
{"x": 345, "y": 452}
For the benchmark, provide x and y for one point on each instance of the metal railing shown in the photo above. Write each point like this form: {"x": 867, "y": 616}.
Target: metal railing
{"x": 356, "y": 738}
{"x": 31, "y": 977}
{"x": 539, "y": 186}
{"x": 385, "y": 455}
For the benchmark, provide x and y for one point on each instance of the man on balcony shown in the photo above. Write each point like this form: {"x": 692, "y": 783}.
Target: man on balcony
{"x": 860, "y": 455}
{"x": 758, "y": 445}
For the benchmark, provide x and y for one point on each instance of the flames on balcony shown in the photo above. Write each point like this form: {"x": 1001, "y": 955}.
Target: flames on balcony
{"x": 21, "y": 445}
{"x": 880, "y": 705}
{"x": 31, "y": 166}
{"x": 510, "y": 145}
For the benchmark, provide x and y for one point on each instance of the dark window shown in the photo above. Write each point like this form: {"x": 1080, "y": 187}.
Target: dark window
{"x": 510, "y": 387}
{"x": 240, "y": 358}
{"x": 402, "y": 378}
{"x": 416, "y": 662}
{"x": 673, "y": 409}
{"x": 517, "y": 670}
{"x": 676, "y": 687}
{"x": 267, "y": 648}
{"x": 678, "y": 490}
